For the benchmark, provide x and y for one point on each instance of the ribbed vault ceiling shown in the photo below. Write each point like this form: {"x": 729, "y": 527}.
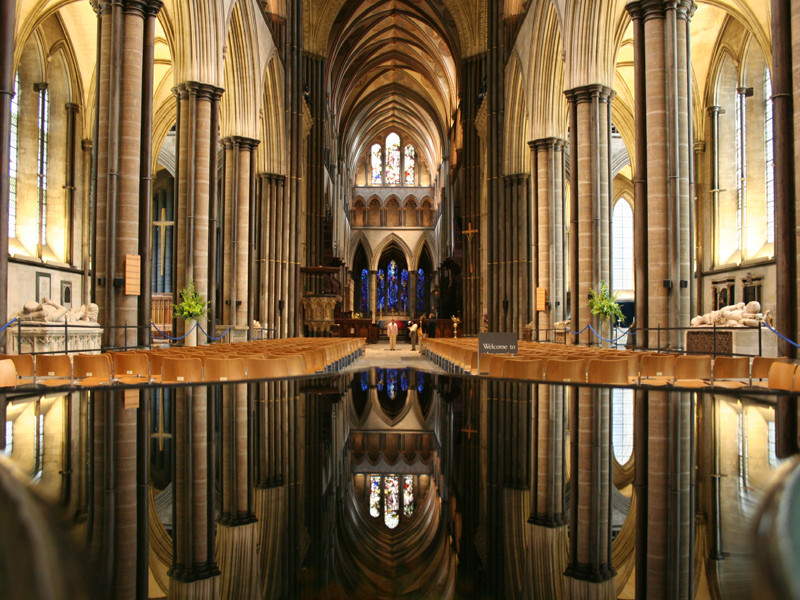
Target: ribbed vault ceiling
{"x": 393, "y": 67}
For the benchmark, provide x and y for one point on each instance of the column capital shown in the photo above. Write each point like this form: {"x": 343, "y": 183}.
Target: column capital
{"x": 547, "y": 143}
{"x": 271, "y": 177}
{"x": 657, "y": 9}
{"x": 244, "y": 143}
{"x": 715, "y": 110}
{"x": 200, "y": 90}
{"x": 587, "y": 93}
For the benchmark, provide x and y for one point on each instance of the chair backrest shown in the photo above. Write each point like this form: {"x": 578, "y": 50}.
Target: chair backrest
{"x": 131, "y": 364}
{"x": 266, "y": 368}
{"x": 22, "y": 362}
{"x": 8, "y": 373}
{"x": 608, "y": 371}
{"x": 781, "y": 376}
{"x": 731, "y": 367}
{"x": 657, "y": 365}
{"x": 53, "y": 365}
{"x": 524, "y": 369}
{"x": 296, "y": 363}
{"x": 91, "y": 365}
{"x": 223, "y": 369}
{"x": 496, "y": 364}
{"x": 565, "y": 370}
{"x": 761, "y": 366}
{"x": 693, "y": 367}
{"x": 174, "y": 370}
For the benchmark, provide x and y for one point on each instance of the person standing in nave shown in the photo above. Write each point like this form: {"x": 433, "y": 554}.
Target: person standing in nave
{"x": 391, "y": 331}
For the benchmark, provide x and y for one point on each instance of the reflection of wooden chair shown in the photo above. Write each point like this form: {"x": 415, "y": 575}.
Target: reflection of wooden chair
{"x": 608, "y": 371}
{"x": 53, "y": 369}
{"x": 8, "y": 373}
{"x": 692, "y": 371}
{"x": 781, "y": 376}
{"x": 223, "y": 369}
{"x": 565, "y": 370}
{"x": 759, "y": 370}
{"x": 731, "y": 371}
{"x": 92, "y": 369}
{"x": 132, "y": 367}
{"x": 176, "y": 370}
{"x": 266, "y": 368}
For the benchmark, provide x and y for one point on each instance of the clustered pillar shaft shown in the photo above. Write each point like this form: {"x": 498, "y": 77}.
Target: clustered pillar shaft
{"x": 315, "y": 190}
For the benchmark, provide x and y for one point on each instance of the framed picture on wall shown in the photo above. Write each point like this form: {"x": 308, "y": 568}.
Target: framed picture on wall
{"x": 42, "y": 286}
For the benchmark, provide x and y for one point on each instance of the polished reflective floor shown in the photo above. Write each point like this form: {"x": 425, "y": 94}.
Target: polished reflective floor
{"x": 399, "y": 483}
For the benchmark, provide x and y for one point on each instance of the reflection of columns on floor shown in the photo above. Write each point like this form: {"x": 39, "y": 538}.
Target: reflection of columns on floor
{"x": 194, "y": 572}
{"x": 237, "y": 529}
{"x": 590, "y": 197}
{"x": 270, "y": 493}
{"x": 373, "y": 295}
{"x": 668, "y": 544}
{"x": 589, "y": 573}
{"x": 548, "y": 161}
{"x": 295, "y": 538}
{"x": 550, "y": 540}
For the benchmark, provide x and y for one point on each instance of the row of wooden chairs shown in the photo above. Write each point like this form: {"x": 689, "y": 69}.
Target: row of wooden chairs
{"x": 552, "y": 362}
{"x": 218, "y": 362}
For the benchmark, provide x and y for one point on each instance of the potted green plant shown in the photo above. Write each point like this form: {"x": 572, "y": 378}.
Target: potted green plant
{"x": 191, "y": 306}
{"x": 604, "y": 305}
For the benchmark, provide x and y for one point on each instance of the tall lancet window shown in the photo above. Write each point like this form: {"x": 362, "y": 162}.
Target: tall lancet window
{"x": 377, "y": 164}
{"x": 622, "y": 235}
{"x": 375, "y": 496}
{"x": 364, "y": 290}
{"x": 769, "y": 158}
{"x": 13, "y": 161}
{"x": 391, "y": 511}
{"x": 392, "y": 159}
{"x": 408, "y": 495}
{"x": 740, "y": 133}
{"x": 411, "y": 165}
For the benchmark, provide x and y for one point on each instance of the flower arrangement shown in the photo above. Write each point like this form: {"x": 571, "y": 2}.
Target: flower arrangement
{"x": 192, "y": 303}
{"x": 604, "y": 304}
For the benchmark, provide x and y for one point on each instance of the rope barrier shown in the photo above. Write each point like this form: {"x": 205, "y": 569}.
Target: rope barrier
{"x": 783, "y": 337}
{"x": 175, "y": 339}
{"x": 7, "y": 325}
{"x": 577, "y": 332}
{"x": 215, "y": 339}
{"x": 615, "y": 340}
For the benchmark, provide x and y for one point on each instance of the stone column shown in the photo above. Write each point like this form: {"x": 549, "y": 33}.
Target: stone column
{"x": 550, "y": 249}
{"x": 517, "y": 249}
{"x": 194, "y": 572}
{"x": 237, "y": 529}
{"x": 591, "y": 189}
{"x": 7, "y": 24}
{"x": 314, "y": 79}
{"x": 664, "y": 32}
{"x": 237, "y": 201}
{"x": 412, "y": 294}
{"x": 196, "y": 148}
{"x": 786, "y": 127}
{"x": 589, "y": 573}
{"x": 373, "y": 295}
{"x": 121, "y": 69}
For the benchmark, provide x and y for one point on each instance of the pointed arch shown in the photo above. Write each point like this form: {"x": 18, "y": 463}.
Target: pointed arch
{"x": 517, "y": 152}
{"x": 390, "y": 240}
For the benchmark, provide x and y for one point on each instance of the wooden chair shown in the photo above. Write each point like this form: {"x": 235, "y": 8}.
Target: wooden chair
{"x": 92, "y": 369}
{"x": 24, "y": 365}
{"x": 781, "y": 376}
{"x": 731, "y": 372}
{"x": 497, "y": 363}
{"x": 53, "y": 369}
{"x": 223, "y": 369}
{"x": 657, "y": 369}
{"x": 8, "y": 373}
{"x": 296, "y": 363}
{"x": 178, "y": 370}
{"x": 608, "y": 371}
{"x": 131, "y": 367}
{"x": 565, "y": 370}
{"x": 759, "y": 370}
{"x": 692, "y": 371}
{"x": 266, "y": 368}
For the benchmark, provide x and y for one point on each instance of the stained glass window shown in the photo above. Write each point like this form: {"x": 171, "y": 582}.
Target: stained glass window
{"x": 391, "y": 286}
{"x": 377, "y": 164}
{"x": 381, "y": 379}
{"x": 769, "y": 158}
{"x": 404, "y": 290}
{"x": 364, "y": 381}
{"x": 364, "y": 290}
{"x": 381, "y": 289}
{"x": 391, "y": 383}
{"x": 410, "y": 165}
{"x": 391, "y": 500}
{"x": 408, "y": 495}
{"x": 392, "y": 159}
{"x": 622, "y": 235}
{"x": 420, "y": 291}
{"x": 420, "y": 381}
{"x": 404, "y": 380}
{"x": 44, "y": 131}
{"x": 375, "y": 496}
{"x": 13, "y": 158}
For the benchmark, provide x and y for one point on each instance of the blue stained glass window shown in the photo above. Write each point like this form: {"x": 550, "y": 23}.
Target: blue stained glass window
{"x": 381, "y": 289}
{"x": 420, "y": 291}
{"x": 381, "y": 379}
{"x": 420, "y": 381}
{"x": 404, "y": 289}
{"x": 391, "y": 287}
{"x": 364, "y": 381}
{"x": 391, "y": 383}
{"x": 404, "y": 380}
{"x": 364, "y": 290}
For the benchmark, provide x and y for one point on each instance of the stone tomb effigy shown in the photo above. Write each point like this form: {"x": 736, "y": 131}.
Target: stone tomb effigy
{"x": 49, "y": 327}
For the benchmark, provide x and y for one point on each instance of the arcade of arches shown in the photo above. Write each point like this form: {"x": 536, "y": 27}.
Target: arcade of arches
{"x": 397, "y": 158}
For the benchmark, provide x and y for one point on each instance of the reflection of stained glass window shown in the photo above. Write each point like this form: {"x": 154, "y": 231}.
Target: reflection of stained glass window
{"x": 391, "y": 287}
{"x": 391, "y": 499}
{"x": 381, "y": 289}
{"x": 364, "y": 381}
{"x": 408, "y": 495}
{"x": 377, "y": 164}
{"x": 420, "y": 291}
{"x": 420, "y": 381}
{"x": 391, "y": 383}
{"x": 410, "y": 165}
{"x": 404, "y": 380}
{"x": 364, "y": 290}
{"x": 404, "y": 289}
{"x": 392, "y": 159}
{"x": 380, "y": 379}
{"x": 375, "y": 496}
